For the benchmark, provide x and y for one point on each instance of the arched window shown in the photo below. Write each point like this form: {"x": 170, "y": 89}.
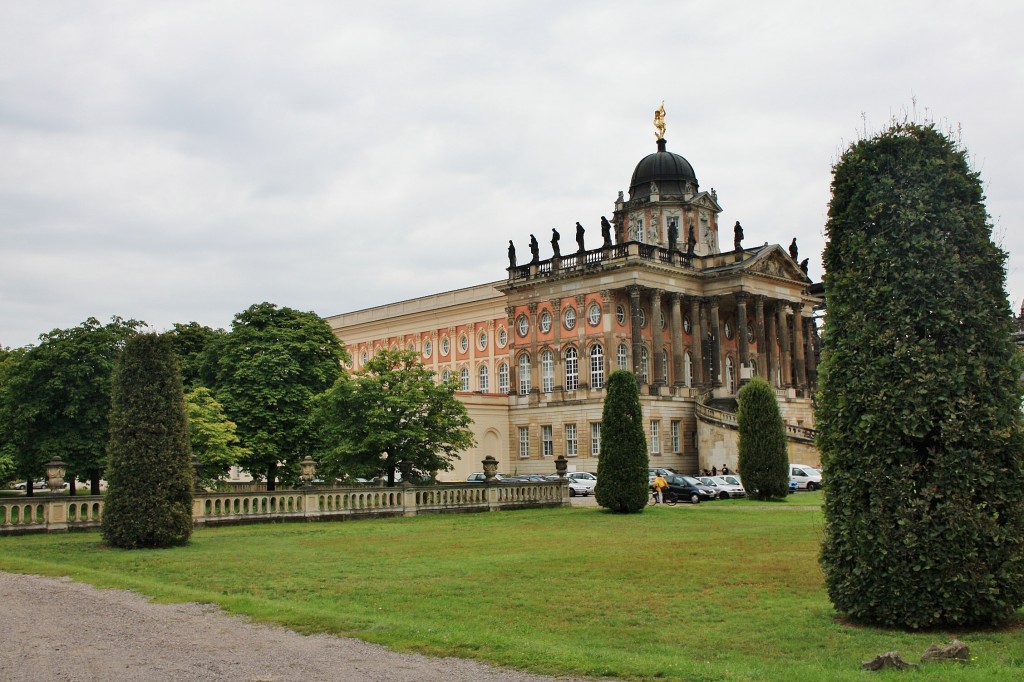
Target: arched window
{"x": 446, "y": 375}
{"x": 596, "y": 366}
{"x": 547, "y": 371}
{"x": 645, "y": 365}
{"x": 483, "y": 379}
{"x": 524, "y": 374}
{"x": 572, "y": 370}
{"x": 664, "y": 366}
{"x": 464, "y": 376}
{"x": 622, "y": 357}
{"x": 503, "y": 378}
{"x": 687, "y": 369}
{"x": 730, "y": 374}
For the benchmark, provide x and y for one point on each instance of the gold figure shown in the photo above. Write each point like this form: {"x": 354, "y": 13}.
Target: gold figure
{"x": 659, "y": 121}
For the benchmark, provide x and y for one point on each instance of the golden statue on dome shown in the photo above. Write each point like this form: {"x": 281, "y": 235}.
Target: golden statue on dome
{"x": 659, "y": 121}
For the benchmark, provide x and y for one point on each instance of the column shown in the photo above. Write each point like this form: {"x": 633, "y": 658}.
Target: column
{"x": 798, "y": 345}
{"x": 677, "y": 339}
{"x": 657, "y": 340}
{"x": 772, "y": 340}
{"x": 716, "y": 343}
{"x": 762, "y": 366}
{"x": 786, "y": 360}
{"x": 556, "y": 345}
{"x": 510, "y": 354}
{"x": 608, "y": 320}
{"x": 810, "y": 337}
{"x": 534, "y": 357}
{"x": 634, "y": 319}
{"x": 697, "y": 331}
{"x": 741, "y": 329}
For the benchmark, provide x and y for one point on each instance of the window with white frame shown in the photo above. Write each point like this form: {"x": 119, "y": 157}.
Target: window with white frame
{"x": 464, "y": 378}
{"x": 622, "y": 357}
{"x": 463, "y": 343}
{"x": 446, "y": 346}
{"x": 524, "y": 441}
{"x": 572, "y": 370}
{"x": 569, "y": 318}
{"x": 675, "y": 436}
{"x": 664, "y": 366}
{"x": 687, "y": 369}
{"x": 655, "y": 437}
{"x": 446, "y": 375}
{"x": 595, "y": 439}
{"x": 524, "y": 374}
{"x": 571, "y": 441}
{"x": 596, "y": 366}
{"x": 483, "y": 379}
{"x": 482, "y": 340}
{"x": 503, "y": 377}
{"x": 547, "y": 371}
{"x": 594, "y": 314}
{"x": 547, "y": 442}
{"x": 645, "y": 365}
{"x": 502, "y": 337}
{"x": 428, "y": 348}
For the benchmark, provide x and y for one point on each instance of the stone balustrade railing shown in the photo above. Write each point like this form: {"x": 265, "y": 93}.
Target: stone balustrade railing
{"x": 728, "y": 419}
{"x": 46, "y": 513}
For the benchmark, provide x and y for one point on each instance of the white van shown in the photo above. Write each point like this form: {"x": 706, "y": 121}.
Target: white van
{"x": 806, "y": 477}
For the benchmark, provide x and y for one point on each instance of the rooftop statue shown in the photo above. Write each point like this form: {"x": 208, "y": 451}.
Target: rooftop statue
{"x": 793, "y": 251}
{"x": 737, "y": 236}
{"x": 534, "y": 249}
{"x": 554, "y": 243}
{"x": 606, "y": 230}
{"x": 579, "y": 237}
{"x": 511, "y": 255}
{"x": 691, "y": 242}
{"x": 659, "y": 122}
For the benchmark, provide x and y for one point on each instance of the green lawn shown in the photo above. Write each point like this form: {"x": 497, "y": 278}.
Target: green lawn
{"x": 717, "y": 591}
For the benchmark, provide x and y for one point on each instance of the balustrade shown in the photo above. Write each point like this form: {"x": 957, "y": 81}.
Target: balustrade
{"x": 59, "y": 513}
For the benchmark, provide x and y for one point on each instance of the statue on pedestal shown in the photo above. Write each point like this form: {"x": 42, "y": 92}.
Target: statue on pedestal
{"x": 534, "y": 249}
{"x": 737, "y": 236}
{"x": 691, "y": 242}
{"x": 793, "y": 251}
{"x": 554, "y": 243}
{"x": 606, "y": 231}
{"x": 579, "y": 237}
{"x": 511, "y": 255}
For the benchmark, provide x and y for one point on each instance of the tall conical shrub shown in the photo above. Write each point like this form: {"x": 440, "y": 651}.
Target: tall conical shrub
{"x": 622, "y": 467}
{"x": 920, "y": 392}
{"x": 764, "y": 457}
{"x": 149, "y": 500}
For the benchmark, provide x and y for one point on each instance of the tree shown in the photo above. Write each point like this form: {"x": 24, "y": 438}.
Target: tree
{"x": 392, "y": 411}
{"x": 622, "y": 468}
{"x": 265, "y": 372}
{"x": 212, "y": 436}
{"x": 920, "y": 392}
{"x": 56, "y": 398}
{"x": 764, "y": 457}
{"x": 7, "y": 447}
{"x": 190, "y": 342}
{"x": 149, "y": 496}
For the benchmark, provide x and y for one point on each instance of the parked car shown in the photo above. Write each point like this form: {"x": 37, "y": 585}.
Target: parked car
{"x": 478, "y": 477}
{"x": 659, "y": 471}
{"x": 36, "y": 485}
{"x": 807, "y": 478}
{"x": 526, "y": 478}
{"x": 793, "y": 486}
{"x": 724, "y": 488}
{"x": 586, "y": 478}
{"x": 689, "y": 488}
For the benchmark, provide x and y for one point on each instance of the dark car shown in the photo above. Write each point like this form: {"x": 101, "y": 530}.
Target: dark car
{"x": 688, "y": 488}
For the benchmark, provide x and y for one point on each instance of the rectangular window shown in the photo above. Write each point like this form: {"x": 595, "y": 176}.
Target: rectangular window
{"x": 547, "y": 443}
{"x": 485, "y": 382}
{"x": 503, "y": 378}
{"x": 620, "y": 357}
{"x": 571, "y": 442}
{"x": 524, "y": 441}
{"x": 595, "y": 439}
{"x": 675, "y": 436}
{"x": 572, "y": 375}
{"x": 655, "y": 437}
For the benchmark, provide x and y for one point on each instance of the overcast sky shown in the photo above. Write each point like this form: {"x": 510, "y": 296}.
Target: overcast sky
{"x": 181, "y": 161}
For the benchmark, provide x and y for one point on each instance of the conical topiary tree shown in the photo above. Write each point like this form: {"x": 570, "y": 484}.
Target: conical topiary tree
{"x": 919, "y": 405}
{"x": 149, "y": 500}
{"x": 622, "y": 467}
{"x": 764, "y": 457}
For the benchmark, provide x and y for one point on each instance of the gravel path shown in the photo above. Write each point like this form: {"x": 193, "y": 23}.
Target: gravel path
{"x": 56, "y": 629}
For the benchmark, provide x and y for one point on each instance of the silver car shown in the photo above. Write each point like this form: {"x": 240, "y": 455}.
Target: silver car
{"x": 723, "y": 487}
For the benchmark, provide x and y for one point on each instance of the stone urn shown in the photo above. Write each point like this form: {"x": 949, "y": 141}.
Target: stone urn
{"x": 490, "y": 468}
{"x": 561, "y": 466}
{"x": 406, "y": 469}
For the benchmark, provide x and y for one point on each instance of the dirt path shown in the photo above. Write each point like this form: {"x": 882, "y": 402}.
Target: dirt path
{"x": 55, "y": 629}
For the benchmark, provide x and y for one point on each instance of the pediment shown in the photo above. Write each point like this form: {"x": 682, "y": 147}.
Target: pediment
{"x": 774, "y": 261}
{"x": 706, "y": 200}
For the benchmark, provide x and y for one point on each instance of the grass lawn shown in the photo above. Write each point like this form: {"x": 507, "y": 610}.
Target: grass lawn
{"x": 737, "y": 589}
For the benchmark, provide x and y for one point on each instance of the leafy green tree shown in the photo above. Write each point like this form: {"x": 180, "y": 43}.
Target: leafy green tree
{"x": 391, "y": 411}
{"x": 191, "y": 341}
{"x": 8, "y": 358}
{"x": 56, "y": 398}
{"x": 265, "y": 372}
{"x": 920, "y": 392}
{"x": 149, "y": 498}
{"x": 622, "y": 468}
{"x": 764, "y": 457}
{"x": 211, "y": 435}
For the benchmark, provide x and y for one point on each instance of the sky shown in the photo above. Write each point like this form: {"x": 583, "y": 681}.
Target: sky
{"x": 182, "y": 161}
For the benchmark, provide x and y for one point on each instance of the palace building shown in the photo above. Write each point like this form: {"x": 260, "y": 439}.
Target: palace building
{"x": 658, "y": 296}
